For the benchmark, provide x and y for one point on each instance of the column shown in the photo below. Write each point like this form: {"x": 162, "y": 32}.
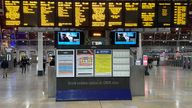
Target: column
{"x": 139, "y": 49}
{"x": 40, "y": 54}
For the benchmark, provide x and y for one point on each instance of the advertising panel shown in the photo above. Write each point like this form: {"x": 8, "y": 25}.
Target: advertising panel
{"x": 103, "y": 63}
{"x": 65, "y": 63}
{"x": 121, "y": 63}
{"x": 84, "y": 63}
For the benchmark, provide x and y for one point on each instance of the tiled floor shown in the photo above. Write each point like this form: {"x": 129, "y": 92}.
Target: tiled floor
{"x": 166, "y": 87}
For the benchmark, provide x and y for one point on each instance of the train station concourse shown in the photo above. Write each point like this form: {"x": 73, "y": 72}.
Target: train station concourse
{"x": 95, "y": 54}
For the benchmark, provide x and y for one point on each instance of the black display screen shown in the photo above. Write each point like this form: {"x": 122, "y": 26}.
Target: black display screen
{"x": 82, "y": 14}
{"x": 148, "y": 14}
{"x": 65, "y": 13}
{"x": 164, "y": 14}
{"x": 115, "y": 14}
{"x": 131, "y": 9}
{"x": 180, "y": 13}
{"x": 12, "y": 10}
{"x": 47, "y": 13}
{"x": 30, "y": 10}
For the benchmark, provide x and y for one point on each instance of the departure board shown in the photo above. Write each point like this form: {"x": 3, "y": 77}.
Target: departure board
{"x": 12, "y": 9}
{"x": 147, "y": 14}
{"x": 47, "y": 9}
{"x": 115, "y": 14}
{"x": 65, "y": 13}
{"x": 1, "y": 7}
{"x": 180, "y": 14}
{"x": 98, "y": 14}
{"x": 131, "y": 14}
{"x": 30, "y": 15}
{"x": 82, "y": 14}
{"x": 164, "y": 14}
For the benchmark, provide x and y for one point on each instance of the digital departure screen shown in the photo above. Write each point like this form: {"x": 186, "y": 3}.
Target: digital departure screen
{"x": 98, "y": 14}
{"x": 65, "y": 13}
{"x": 131, "y": 9}
{"x": 1, "y": 7}
{"x": 115, "y": 14}
{"x": 30, "y": 16}
{"x": 12, "y": 9}
{"x": 164, "y": 14}
{"x": 180, "y": 14}
{"x": 82, "y": 14}
{"x": 147, "y": 14}
{"x": 47, "y": 9}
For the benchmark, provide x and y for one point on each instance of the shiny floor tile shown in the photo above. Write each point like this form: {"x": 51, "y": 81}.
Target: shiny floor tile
{"x": 166, "y": 87}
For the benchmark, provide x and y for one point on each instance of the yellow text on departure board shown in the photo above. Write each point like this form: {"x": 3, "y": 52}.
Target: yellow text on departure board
{"x": 115, "y": 16}
{"x": 164, "y": 8}
{"x": 148, "y": 5}
{"x": 131, "y": 7}
{"x": 29, "y": 7}
{"x": 98, "y": 15}
{"x": 12, "y": 13}
{"x": 148, "y": 14}
{"x": 81, "y": 15}
{"x": 64, "y": 9}
{"x": 180, "y": 13}
{"x": 47, "y": 8}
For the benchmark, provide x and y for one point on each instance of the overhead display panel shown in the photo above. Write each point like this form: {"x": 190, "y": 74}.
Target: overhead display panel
{"x": 180, "y": 13}
{"x": 47, "y": 13}
{"x": 98, "y": 14}
{"x": 30, "y": 13}
{"x": 12, "y": 9}
{"x": 147, "y": 14}
{"x": 82, "y": 14}
{"x": 1, "y": 7}
{"x": 164, "y": 14}
{"x": 131, "y": 14}
{"x": 115, "y": 14}
{"x": 65, "y": 13}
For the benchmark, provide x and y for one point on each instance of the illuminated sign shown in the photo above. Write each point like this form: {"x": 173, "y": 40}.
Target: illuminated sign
{"x": 1, "y": 7}
{"x": 30, "y": 9}
{"x": 47, "y": 9}
{"x": 147, "y": 14}
{"x": 115, "y": 14}
{"x": 12, "y": 9}
{"x": 180, "y": 14}
{"x": 164, "y": 14}
{"x": 65, "y": 14}
{"x": 98, "y": 14}
{"x": 81, "y": 14}
{"x": 131, "y": 14}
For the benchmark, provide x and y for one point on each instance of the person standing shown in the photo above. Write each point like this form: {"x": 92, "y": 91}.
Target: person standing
{"x": 4, "y": 65}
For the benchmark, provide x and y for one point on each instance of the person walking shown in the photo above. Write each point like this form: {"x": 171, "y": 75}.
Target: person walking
{"x": 23, "y": 65}
{"x": 52, "y": 63}
{"x": 15, "y": 62}
{"x": 4, "y": 65}
{"x": 44, "y": 66}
